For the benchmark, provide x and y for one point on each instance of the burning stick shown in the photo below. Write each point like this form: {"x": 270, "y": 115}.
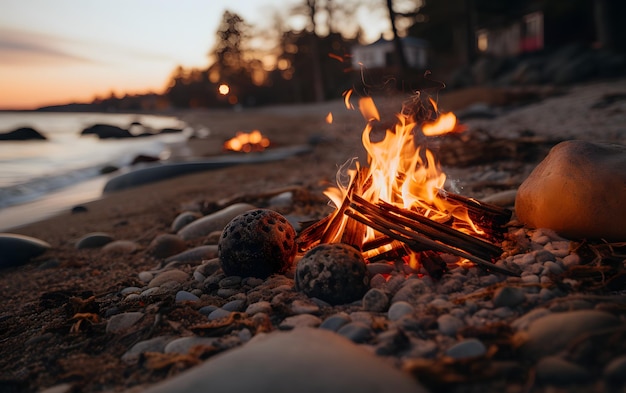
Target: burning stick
{"x": 415, "y": 240}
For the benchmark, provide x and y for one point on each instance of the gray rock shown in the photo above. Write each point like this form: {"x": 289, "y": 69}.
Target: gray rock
{"x": 176, "y": 275}
{"x": 554, "y": 370}
{"x": 379, "y": 268}
{"x": 468, "y": 348}
{"x": 145, "y": 276}
{"x": 304, "y": 307}
{"x": 615, "y": 370}
{"x": 375, "y": 300}
{"x": 259, "y": 307}
{"x": 60, "y": 388}
{"x": 335, "y": 322}
{"x": 234, "y": 305}
{"x": 166, "y": 245}
{"x": 184, "y": 296}
{"x": 399, "y": 310}
{"x": 357, "y": 332}
{"x": 230, "y": 282}
{"x": 121, "y": 322}
{"x": 93, "y": 240}
{"x": 552, "y": 333}
{"x": 184, "y": 344}
{"x": 219, "y": 313}
{"x": 207, "y": 310}
{"x": 508, "y": 297}
{"x": 184, "y": 219}
{"x": 449, "y": 325}
{"x": 156, "y": 344}
{"x": 213, "y": 222}
{"x": 410, "y": 291}
{"x": 120, "y": 247}
{"x": 16, "y": 249}
{"x": 274, "y": 362}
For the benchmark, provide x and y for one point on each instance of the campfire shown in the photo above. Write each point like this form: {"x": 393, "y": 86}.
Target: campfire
{"x": 247, "y": 142}
{"x": 396, "y": 208}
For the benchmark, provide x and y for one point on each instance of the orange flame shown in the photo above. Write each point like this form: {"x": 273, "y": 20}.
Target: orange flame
{"x": 401, "y": 172}
{"x": 329, "y": 118}
{"x": 247, "y": 142}
{"x": 445, "y": 123}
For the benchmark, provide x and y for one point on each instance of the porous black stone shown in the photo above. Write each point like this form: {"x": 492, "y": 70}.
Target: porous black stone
{"x": 335, "y": 273}
{"x": 257, "y": 243}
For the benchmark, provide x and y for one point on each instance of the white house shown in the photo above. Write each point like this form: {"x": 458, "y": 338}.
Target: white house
{"x": 380, "y": 54}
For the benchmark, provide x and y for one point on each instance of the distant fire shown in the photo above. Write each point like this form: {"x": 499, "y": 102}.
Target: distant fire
{"x": 247, "y": 142}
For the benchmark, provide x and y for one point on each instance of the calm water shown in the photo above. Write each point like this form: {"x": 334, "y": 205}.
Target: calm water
{"x": 30, "y": 170}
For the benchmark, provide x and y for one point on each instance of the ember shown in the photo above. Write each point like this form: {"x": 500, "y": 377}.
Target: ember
{"x": 397, "y": 208}
{"x": 247, "y": 142}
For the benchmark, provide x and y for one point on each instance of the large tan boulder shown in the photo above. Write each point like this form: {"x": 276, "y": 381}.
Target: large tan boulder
{"x": 578, "y": 190}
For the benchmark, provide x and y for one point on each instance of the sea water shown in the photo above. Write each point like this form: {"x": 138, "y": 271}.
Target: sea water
{"x": 30, "y": 170}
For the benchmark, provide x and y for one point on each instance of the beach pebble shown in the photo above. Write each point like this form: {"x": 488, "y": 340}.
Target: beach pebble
{"x": 182, "y": 345}
{"x": 166, "y": 245}
{"x": 121, "y": 322}
{"x": 213, "y": 222}
{"x": 552, "y": 333}
{"x": 410, "y": 291}
{"x": 207, "y": 310}
{"x": 334, "y": 273}
{"x": 300, "y": 321}
{"x": 16, "y": 249}
{"x": 525, "y": 320}
{"x": 467, "y": 348}
{"x": 508, "y": 297}
{"x": 357, "y": 332}
{"x": 449, "y": 325}
{"x": 156, "y": 344}
{"x": 399, "y": 310}
{"x": 257, "y": 243}
{"x": 259, "y": 307}
{"x": 194, "y": 255}
{"x": 336, "y": 321}
{"x": 375, "y": 300}
{"x": 120, "y": 247}
{"x": 208, "y": 267}
{"x": 184, "y": 219}
{"x": 379, "y": 268}
{"x": 60, "y": 388}
{"x": 175, "y": 275}
{"x": 145, "y": 276}
{"x": 93, "y": 240}
{"x": 234, "y": 305}
{"x": 332, "y": 364}
{"x": 219, "y": 313}
{"x": 592, "y": 176}
{"x": 304, "y": 307}
{"x": 184, "y": 296}
{"x": 553, "y": 370}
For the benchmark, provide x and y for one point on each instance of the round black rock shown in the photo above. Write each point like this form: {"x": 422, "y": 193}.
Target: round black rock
{"x": 335, "y": 273}
{"x": 257, "y": 243}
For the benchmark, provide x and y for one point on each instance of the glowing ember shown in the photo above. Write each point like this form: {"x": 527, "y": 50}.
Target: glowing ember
{"x": 401, "y": 173}
{"x": 329, "y": 118}
{"x": 223, "y": 89}
{"x": 247, "y": 142}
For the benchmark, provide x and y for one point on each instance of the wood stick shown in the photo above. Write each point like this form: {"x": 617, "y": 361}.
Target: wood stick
{"x": 412, "y": 239}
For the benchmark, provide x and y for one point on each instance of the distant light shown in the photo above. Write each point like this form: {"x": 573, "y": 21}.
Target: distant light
{"x": 223, "y": 89}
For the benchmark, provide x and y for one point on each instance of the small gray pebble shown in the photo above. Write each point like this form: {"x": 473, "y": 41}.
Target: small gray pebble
{"x": 184, "y": 296}
{"x": 183, "y": 219}
{"x": 302, "y": 307}
{"x": 508, "y": 297}
{"x": 219, "y": 313}
{"x": 259, "y": 307}
{"x": 227, "y": 292}
{"x": 375, "y": 300}
{"x": 449, "y": 325}
{"x": 468, "y": 348}
{"x": 207, "y": 310}
{"x": 299, "y": 321}
{"x": 94, "y": 240}
{"x": 335, "y": 322}
{"x": 145, "y": 276}
{"x": 230, "y": 282}
{"x": 129, "y": 290}
{"x": 234, "y": 305}
{"x": 356, "y": 332}
{"x": 120, "y": 322}
{"x": 184, "y": 344}
{"x": 399, "y": 309}
{"x": 156, "y": 344}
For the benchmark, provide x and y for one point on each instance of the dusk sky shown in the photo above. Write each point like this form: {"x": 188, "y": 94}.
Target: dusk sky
{"x": 61, "y": 51}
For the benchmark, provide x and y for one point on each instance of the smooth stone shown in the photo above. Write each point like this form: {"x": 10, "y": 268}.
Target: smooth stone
{"x": 219, "y": 313}
{"x": 196, "y": 254}
{"x": 375, "y": 300}
{"x": 449, "y": 325}
{"x": 275, "y": 363}
{"x": 578, "y": 191}
{"x": 120, "y": 247}
{"x": 129, "y": 290}
{"x": 303, "y": 307}
{"x": 335, "y": 322}
{"x": 399, "y": 310}
{"x": 552, "y": 333}
{"x": 60, "y": 388}
{"x": 184, "y": 344}
{"x": 184, "y": 296}
{"x": 121, "y": 322}
{"x": 357, "y": 332}
{"x": 150, "y": 291}
{"x": 94, "y": 240}
{"x": 184, "y": 219}
{"x": 615, "y": 370}
{"x": 508, "y": 297}
{"x": 166, "y": 245}
{"x": 207, "y": 310}
{"x": 213, "y": 222}
{"x": 234, "y": 305}
{"x": 259, "y": 307}
{"x": 300, "y": 321}
{"x": 16, "y": 249}
{"x": 554, "y": 370}
{"x": 379, "y": 268}
{"x": 410, "y": 291}
{"x": 468, "y": 348}
{"x": 175, "y": 275}
{"x": 145, "y": 276}
{"x": 209, "y": 267}
{"x": 230, "y": 282}
{"x": 156, "y": 344}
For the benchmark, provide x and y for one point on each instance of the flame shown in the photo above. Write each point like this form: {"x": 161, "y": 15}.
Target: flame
{"x": 329, "y": 118}
{"x": 223, "y": 89}
{"x": 247, "y": 142}
{"x": 401, "y": 172}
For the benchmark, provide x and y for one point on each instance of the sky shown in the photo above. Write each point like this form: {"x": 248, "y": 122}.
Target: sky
{"x": 60, "y": 51}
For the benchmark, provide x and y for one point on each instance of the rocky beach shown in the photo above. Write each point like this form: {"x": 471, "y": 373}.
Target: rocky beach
{"x": 127, "y": 293}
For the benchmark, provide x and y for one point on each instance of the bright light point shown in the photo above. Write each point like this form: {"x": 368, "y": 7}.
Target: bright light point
{"x": 329, "y": 118}
{"x": 223, "y": 89}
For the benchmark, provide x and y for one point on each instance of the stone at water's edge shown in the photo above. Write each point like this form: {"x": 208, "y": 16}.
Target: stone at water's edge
{"x": 17, "y": 249}
{"x": 304, "y": 360}
{"x": 578, "y": 190}
{"x": 213, "y": 222}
